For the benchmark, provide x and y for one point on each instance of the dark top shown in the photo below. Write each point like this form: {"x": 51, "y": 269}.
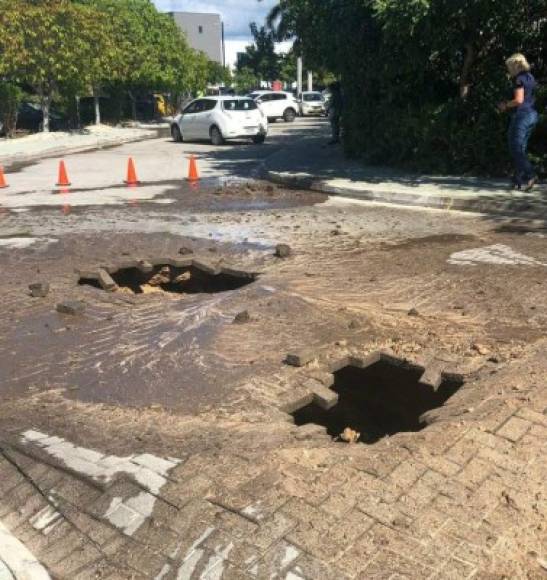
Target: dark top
{"x": 526, "y": 81}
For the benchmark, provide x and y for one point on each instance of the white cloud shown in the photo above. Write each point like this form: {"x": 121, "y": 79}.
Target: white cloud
{"x": 237, "y": 14}
{"x": 233, "y": 46}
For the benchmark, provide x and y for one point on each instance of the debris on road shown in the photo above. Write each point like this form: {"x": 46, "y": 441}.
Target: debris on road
{"x": 39, "y": 289}
{"x": 350, "y": 436}
{"x": 282, "y": 251}
{"x": 72, "y": 307}
{"x": 242, "y": 317}
{"x": 480, "y": 348}
{"x": 299, "y": 358}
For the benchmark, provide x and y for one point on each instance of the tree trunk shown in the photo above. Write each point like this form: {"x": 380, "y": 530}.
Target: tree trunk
{"x": 133, "y": 105}
{"x": 467, "y": 64}
{"x": 78, "y": 118}
{"x": 45, "y": 112}
{"x": 97, "y": 104}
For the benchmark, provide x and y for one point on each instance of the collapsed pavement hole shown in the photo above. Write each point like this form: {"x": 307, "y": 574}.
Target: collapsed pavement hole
{"x": 89, "y": 282}
{"x": 377, "y": 401}
{"x": 171, "y": 279}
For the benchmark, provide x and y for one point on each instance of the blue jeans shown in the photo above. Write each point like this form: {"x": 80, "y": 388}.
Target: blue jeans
{"x": 520, "y": 130}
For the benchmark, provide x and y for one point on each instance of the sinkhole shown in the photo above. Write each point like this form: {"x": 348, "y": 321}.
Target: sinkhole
{"x": 377, "y": 401}
{"x": 171, "y": 279}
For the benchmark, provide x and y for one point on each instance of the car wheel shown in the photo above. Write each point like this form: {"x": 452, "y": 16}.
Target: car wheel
{"x": 176, "y": 134}
{"x": 259, "y": 139}
{"x": 216, "y": 136}
{"x": 289, "y": 115}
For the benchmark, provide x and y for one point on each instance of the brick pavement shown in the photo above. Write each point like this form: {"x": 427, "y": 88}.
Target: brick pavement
{"x": 464, "y": 498}
{"x": 235, "y": 489}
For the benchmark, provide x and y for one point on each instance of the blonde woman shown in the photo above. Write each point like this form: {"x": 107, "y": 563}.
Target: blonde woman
{"x": 524, "y": 119}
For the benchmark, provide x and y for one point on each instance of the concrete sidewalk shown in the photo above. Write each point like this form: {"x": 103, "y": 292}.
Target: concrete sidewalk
{"x": 59, "y": 143}
{"x": 310, "y": 163}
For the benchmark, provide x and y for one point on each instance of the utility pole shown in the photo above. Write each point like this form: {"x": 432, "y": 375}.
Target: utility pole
{"x": 299, "y": 72}
{"x": 310, "y": 81}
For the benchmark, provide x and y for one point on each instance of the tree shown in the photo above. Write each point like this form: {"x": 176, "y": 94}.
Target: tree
{"x": 45, "y": 44}
{"x": 147, "y": 49}
{"x": 260, "y": 58}
{"x": 245, "y": 80}
{"x": 429, "y": 71}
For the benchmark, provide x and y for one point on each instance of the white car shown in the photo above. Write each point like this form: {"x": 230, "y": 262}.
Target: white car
{"x": 220, "y": 118}
{"x": 277, "y": 105}
{"x": 312, "y": 103}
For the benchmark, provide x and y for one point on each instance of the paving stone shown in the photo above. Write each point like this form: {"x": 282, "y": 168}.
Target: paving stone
{"x": 322, "y": 396}
{"x": 376, "y": 509}
{"x": 387, "y": 563}
{"x": 300, "y": 358}
{"x": 532, "y": 416}
{"x": 466, "y": 531}
{"x": 99, "y": 570}
{"x": 82, "y": 556}
{"x": 272, "y": 530}
{"x": 338, "y": 505}
{"x": 39, "y": 289}
{"x": 140, "y": 558}
{"x": 106, "y": 281}
{"x": 241, "y": 553}
{"x": 181, "y": 493}
{"x": 275, "y": 562}
{"x": 474, "y": 473}
{"x": 502, "y": 460}
{"x": 455, "y": 569}
{"x": 310, "y": 568}
{"x": 406, "y": 474}
{"x": 323, "y": 536}
{"x": 514, "y": 429}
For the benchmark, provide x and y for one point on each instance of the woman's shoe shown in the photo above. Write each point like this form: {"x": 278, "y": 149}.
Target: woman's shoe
{"x": 530, "y": 184}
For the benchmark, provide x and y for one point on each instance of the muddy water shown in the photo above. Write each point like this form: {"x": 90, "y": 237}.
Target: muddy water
{"x": 166, "y": 358}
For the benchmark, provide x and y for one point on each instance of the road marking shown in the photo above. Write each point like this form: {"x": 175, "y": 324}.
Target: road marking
{"x": 148, "y": 470}
{"x": 16, "y": 560}
{"x": 497, "y": 254}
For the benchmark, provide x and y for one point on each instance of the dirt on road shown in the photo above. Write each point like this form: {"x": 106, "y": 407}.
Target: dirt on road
{"x": 179, "y": 375}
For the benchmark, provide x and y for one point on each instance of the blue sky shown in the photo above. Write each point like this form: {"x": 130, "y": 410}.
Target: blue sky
{"x": 237, "y": 14}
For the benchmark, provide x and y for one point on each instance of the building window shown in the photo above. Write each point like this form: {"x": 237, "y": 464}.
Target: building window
{"x": 200, "y": 28}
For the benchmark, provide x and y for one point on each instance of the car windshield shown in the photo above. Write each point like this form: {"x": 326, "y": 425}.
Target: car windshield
{"x": 313, "y": 97}
{"x": 239, "y": 105}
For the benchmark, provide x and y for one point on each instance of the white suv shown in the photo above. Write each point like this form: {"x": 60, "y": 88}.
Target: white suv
{"x": 277, "y": 105}
{"x": 219, "y": 119}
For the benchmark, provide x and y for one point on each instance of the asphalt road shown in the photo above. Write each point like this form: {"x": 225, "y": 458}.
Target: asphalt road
{"x": 97, "y": 178}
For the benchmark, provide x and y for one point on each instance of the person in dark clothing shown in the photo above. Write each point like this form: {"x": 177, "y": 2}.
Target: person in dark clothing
{"x": 335, "y": 111}
{"x": 523, "y": 120}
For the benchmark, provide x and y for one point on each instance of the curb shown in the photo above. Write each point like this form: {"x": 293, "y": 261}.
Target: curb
{"x": 18, "y": 158}
{"x": 522, "y": 207}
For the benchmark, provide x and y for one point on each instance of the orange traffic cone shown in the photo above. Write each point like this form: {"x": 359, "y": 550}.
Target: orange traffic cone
{"x": 131, "y": 174}
{"x": 2, "y": 178}
{"x": 63, "y": 176}
{"x": 193, "y": 174}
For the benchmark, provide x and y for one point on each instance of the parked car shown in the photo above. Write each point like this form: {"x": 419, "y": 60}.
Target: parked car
{"x": 312, "y": 103}
{"x": 30, "y": 118}
{"x": 220, "y": 118}
{"x": 277, "y": 105}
